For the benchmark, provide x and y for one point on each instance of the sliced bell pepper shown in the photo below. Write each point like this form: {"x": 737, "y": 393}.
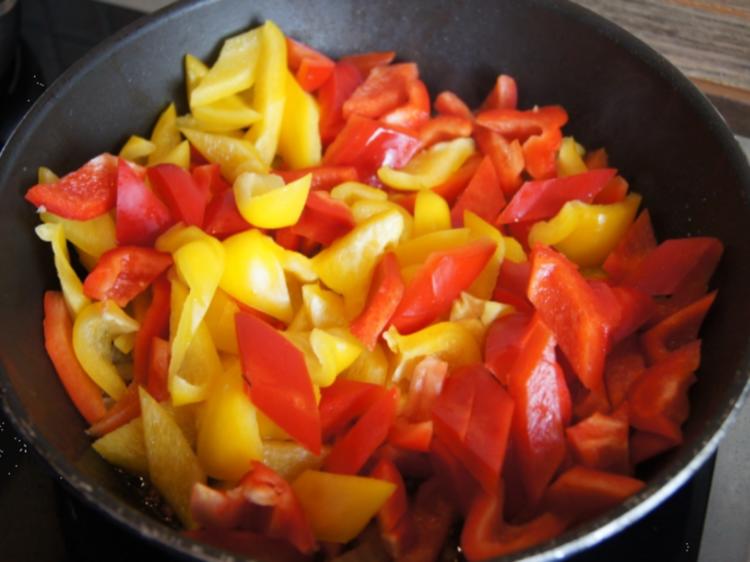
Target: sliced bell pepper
{"x": 431, "y": 213}
{"x": 58, "y": 341}
{"x": 444, "y": 128}
{"x": 507, "y": 157}
{"x": 385, "y": 88}
{"x": 72, "y": 288}
{"x": 570, "y": 158}
{"x": 223, "y": 218}
{"x": 339, "y": 506}
{"x": 429, "y": 168}
{"x": 504, "y": 94}
{"x": 323, "y": 177}
{"x": 477, "y": 314}
{"x": 140, "y": 216}
{"x": 386, "y": 290}
{"x": 228, "y": 436}
{"x": 597, "y": 159}
{"x": 92, "y": 237}
{"x": 411, "y": 436}
{"x": 615, "y": 191}
{"x": 512, "y": 281}
{"x": 157, "y": 381}
{"x": 448, "y": 103}
{"x": 585, "y": 233}
{"x": 311, "y": 68}
{"x": 344, "y": 79}
{"x": 351, "y": 451}
{"x": 438, "y": 282}
{"x": 537, "y": 200}
{"x": 136, "y": 149}
{"x": 393, "y": 518}
{"x": 534, "y": 385}
{"x": 232, "y": 154}
{"x": 368, "y": 145}
{"x": 335, "y": 350}
{"x": 581, "y": 493}
{"x": 637, "y": 242}
{"x": 233, "y": 71}
{"x": 645, "y": 445}
{"x": 343, "y": 402}
{"x": 299, "y": 139}
{"x": 601, "y": 442}
{"x": 568, "y": 305}
{"x": 124, "y": 272}
{"x": 165, "y": 136}
{"x": 126, "y": 409}
{"x": 262, "y": 502}
{"x": 503, "y": 344}
{"x": 365, "y": 62}
{"x": 370, "y": 366}
{"x": 657, "y": 400}
{"x": 432, "y": 518}
{"x": 95, "y": 327}
{"x": 280, "y": 385}
{"x": 484, "y": 285}
{"x": 365, "y": 209}
{"x": 176, "y": 187}
{"x": 264, "y": 201}
{"x": 82, "y": 194}
{"x": 482, "y": 196}
{"x": 323, "y": 219}
{"x": 625, "y": 363}
{"x": 415, "y": 112}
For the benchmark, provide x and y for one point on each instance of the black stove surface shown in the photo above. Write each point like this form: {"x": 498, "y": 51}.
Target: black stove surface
{"x": 40, "y": 521}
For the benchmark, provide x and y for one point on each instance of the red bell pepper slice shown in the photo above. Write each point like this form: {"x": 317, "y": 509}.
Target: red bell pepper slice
{"x": 365, "y": 62}
{"x": 140, "y": 216}
{"x": 393, "y": 517}
{"x": 597, "y": 159}
{"x": 485, "y": 535}
{"x": 540, "y": 154}
{"x": 639, "y": 240}
{"x": 438, "y": 283}
{"x": 588, "y": 402}
{"x": 568, "y": 305}
{"x": 127, "y": 408}
{"x": 340, "y": 85}
{"x": 451, "y": 188}
{"x": 676, "y": 330}
{"x": 158, "y": 369}
{"x": 523, "y": 124}
{"x": 625, "y": 309}
{"x": 124, "y": 272}
{"x": 81, "y": 195}
{"x": 482, "y": 196}
{"x": 625, "y": 363}
{"x": 448, "y": 103}
{"x": 209, "y": 180}
{"x": 343, "y": 402}
{"x": 384, "y": 89}
{"x": 179, "y": 191}
{"x": 503, "y": 344}
{"x": 433, "y": 516}
{"x": 280, "y": 385}
{"x": 367, "y": 145}
{"x": 444, "y": 128}
{"x": 425, "y": 386}
{"x": 511, "y": 285}
{"x": 645, "y": 445}
{"x": 413, "y": 436}
{"x": 675, "y": 263}
{"x": 223, "y": 218}
{"x": 287, "y": 239}
{"x": 507, "y": 157}
{"x": 311, "y": 68}
{"x": 538, "y": 434}
{"x": 323, "y": 219}
{"x": 323, "y": 177}
{"x": 601, "y": 441}
{"x": 350, "y": 453}
{"x": 615, "y": 191}
{"x": 386, "y": 291}
{"x": 415, "y": 112}
{"x": 581, "y": 493}
{"x": 658, "y": 400}
{"x": 155, "y": 323}
{"x": 504, "y": 94}
{"x": 540, "y": 200}
{"x": 58, "y": 341}
{"x": 262, "y": 502}
{"x": 456, "y": 481}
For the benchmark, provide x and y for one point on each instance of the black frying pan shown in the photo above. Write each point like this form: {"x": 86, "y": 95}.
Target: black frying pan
{"x": 659, "y": 130}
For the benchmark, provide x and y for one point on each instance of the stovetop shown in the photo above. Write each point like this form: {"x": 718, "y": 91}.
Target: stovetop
{"x": 41, "y": 522}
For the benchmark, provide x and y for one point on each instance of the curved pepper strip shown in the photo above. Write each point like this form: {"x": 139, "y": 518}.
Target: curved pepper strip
{"x": 264, "y": 201}
{"x": 94, "y": 236}
{"x": 299, "y": 139}
{"x": 72, "y": 287}
{"x": 165, "y": 136}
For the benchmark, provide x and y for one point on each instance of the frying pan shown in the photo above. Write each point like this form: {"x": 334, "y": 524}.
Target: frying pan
{"x": 659, "y": 130}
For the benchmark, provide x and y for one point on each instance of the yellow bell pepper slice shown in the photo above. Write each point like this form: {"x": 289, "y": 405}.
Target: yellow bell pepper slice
{"x": 45, "y": 175}
{"x": 299, "y": 137}
{"x": 513, "y": 250}
{"x": 370, "y": 366}
{"x": 364, "y": 209}
{"x": 416, "y": 250}
{"x": 71, "y": 285}
{"x": 320, "y": 308}
{"x": 228, "y": 436}
{"x": 179, "y": 156}
{"x": 125, "y": 447}
{"x": 289, "y": 459}
{"x": 477, "y": 314}
{"x": 94, "y": 329}
{"x": 234, "y": 155}
{"x": 431, "y": 213}
{"x": 569, "y": 158}
{"x": 137, "y": 148}
{"x": 335, "y": 352}
{"x": 94, "y": 236}
{"x": 346, "y": 265}
{"x": 165, "y": 135}
{"x": 220, "y": 322}
{"x": 172, "y": 465}
{"x": 264, "y": 201}
{"x": 269, "y": 94}
{"x": 233, "y": 71}
{"x": 350, "y": 192}
{"x": 254, "y": 274}
{"x": 125, "y": 342}
{"x": 339, "y": 506}
{"x": 585, "y": 233}
{"x": 484, "y": 285}
{"x": 430, "y": 167}
{"x": 449, "y": 341}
